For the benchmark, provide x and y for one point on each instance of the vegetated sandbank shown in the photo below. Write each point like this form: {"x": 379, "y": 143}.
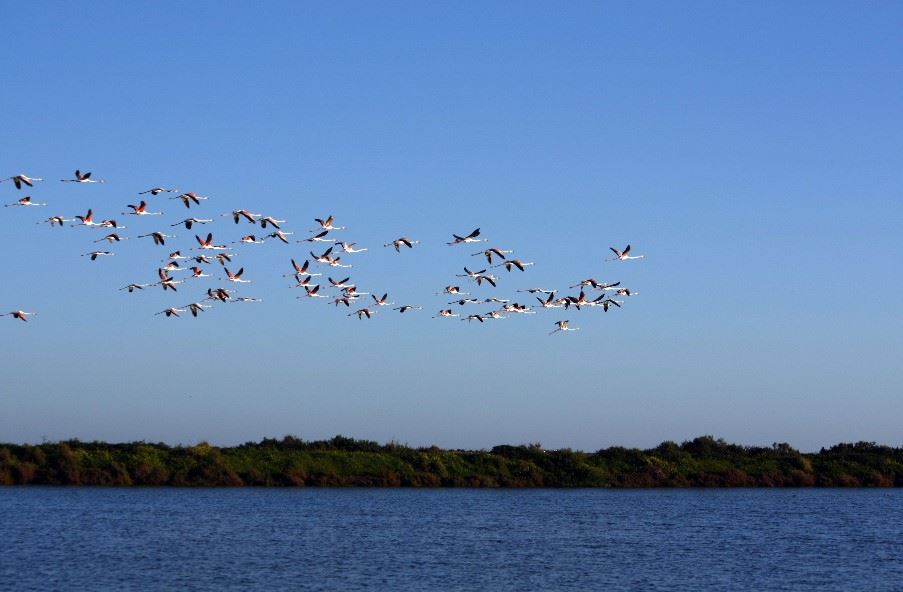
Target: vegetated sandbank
{"x": 342, "y": 461}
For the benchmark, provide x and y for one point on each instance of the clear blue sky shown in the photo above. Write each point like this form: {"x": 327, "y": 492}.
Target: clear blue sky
{"x": 751, "y": 151}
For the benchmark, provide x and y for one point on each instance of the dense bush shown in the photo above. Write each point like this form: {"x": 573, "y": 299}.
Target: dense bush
{"x": 342, "y": 461}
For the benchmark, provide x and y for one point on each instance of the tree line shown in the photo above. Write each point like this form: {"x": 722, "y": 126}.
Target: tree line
{"x": 346, "y": 462}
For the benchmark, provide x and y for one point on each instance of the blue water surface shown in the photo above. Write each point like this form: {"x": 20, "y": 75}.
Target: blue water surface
{"x": 71, "y": 538}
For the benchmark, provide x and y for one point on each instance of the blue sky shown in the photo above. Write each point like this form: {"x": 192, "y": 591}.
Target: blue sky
{"x": 751, "y": 152}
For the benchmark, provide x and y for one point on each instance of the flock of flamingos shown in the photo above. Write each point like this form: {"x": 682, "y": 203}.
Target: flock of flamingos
{"x": 195, "y": 263}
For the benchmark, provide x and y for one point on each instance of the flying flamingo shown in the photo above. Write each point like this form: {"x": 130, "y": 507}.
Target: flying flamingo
{"x": 25, "y": 201}
{"x": 473, "y": 317}
{"x": 488, "y": 253}
{"x": 247, "y": 215}
{"x": 132, "y": 287}
{"x": 398, "y": 242}
{"x": 514, "y": 263}
{"x": 196, "y": 307}
{"x": 197, "y": 272}
{"x": 445, "y": 313}
{"x": 280, "y": 235}
{"x": 363, "y": 311}
{"x": 622, "y": 255}
{"x": 563, "y": 326}
{"x": 250, "y": 240}
{"x": 381, "y": 301}
{"x": 340, "y": 283}
{"x": 537, "y": 291}
{"x": 18, "y": 314}
{"x": 313, "y": 292}
{"x": 327, "y": 224}
{"x": 301, "y": 269}
{"x": 208, "y": 243}
{"x": 189, "y": 222}
{"x": 53, "y": 220}
{"x": 405, "y": 308}
{"x": 236, "y": 277}
{"x": 20, "y": 180}
{"x": 271, "y": 221}
{"x": 159, "y": 237}
{"x": 170, "y": 312}
{"x": 157, "y": 191}
{"x": 470, "y": 238}
{"x": 140, "y": 210}
{"x": 453, "y": 290}
{"x": 317, "y": 238}
{"x": 349, "y": 247}
{"x": 81, "y": 177}
{"x": 187, "y": 198}
{"x": 95, "y": 254}
{"x": 111, "y": 238}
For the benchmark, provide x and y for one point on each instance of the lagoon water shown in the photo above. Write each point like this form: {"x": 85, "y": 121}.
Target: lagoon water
{"x": 392, "y": 539}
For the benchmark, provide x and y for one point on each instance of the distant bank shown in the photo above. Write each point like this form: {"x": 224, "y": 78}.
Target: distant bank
{"x": 292, "y": 462}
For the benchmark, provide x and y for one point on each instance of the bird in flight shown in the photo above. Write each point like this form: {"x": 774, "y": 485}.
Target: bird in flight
{"x": 81, "y": 177}
{"x": 470, "y": 238}
{"x": 19, "y": 180}
{"x": 564, "y": 326}
{"x": 398, "y": 242}
{"x": 18, "y": 314}
{"x": 622, "y": 255}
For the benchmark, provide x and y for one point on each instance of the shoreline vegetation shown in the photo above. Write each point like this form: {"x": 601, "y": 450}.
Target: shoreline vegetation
{"x": 346, "y": 462}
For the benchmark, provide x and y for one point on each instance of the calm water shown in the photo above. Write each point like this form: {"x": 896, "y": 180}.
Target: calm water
{"x": 382, "y": 539}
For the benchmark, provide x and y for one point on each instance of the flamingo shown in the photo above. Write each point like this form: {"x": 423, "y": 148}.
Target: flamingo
{"x": 398, "y": 242}
{"x": 340, "y": 283}
{"x": 537, "y": 291}
{"x": 495, "y": 315}
{"x": 19, "y": 180}
{"x": 86, "y": 220}
{"x": 470, "y": 274}
{"x": 196, "y": 307}
{"x": 187, "y": 198}
{"x": 346, "y": 300}
{"x": 167, "y": 282}
{"x": 301, "y": 269}
{"x": 280, "y": 235}
{"x": 302, "y": 282}
{"x": 271, "y": 221}
{"x": 189, "y": 222}
{"x": 81, "y": 177}
{"x": 563, "y": 326}
{"x": 250, "y": 240}
{"x": 19, "y": 314}
{"x": 223, "y": 257}
{"x": 327, "y": 224}
{"x": 109, "y": 224}
{"x": 140, "y": 210}
{"x": 247, "y": 299}
{"x": 473, "y": 317}
{"x": 464, "y": 301}
{"x": 454, "y": 291}
{"x": 25, "y": 201}
{"x": 626, "y": 292}
{"x": 337, "y": 262}
{"x": 317, "y": 238}
{"x": 551, "y": 301}
{"x": 406, "y": 307}
{"x": 220, "y": 294}
{"x": 155, "y": 191}
{"x": 578, "y": 301}
{"x": 208, "y": 243}
{"x": 351, "y": 292}
{"x": 170, "y": 312}
{"x": 111, "y": 238}
{"x": 132, "y": 287}
{"x": 363, "y": 311}
{"x": 485, "y": 278}
{"x": 172, "y": 266}
{"x": 53, "y": 220}
{"x": 95, "y": 254}
{"x": 470, "y": 238}
{"x": 349, "y": 247}
{"x": 177, "y": 256}
{"x": 622, "y": 255}
{"x": 518, "y": 308}
{"x": 445, "y": 313}
{"x": 159, "y": 237}
{"x": 313, "y": 292}
{"x": 236, "y": 277}
{"x": 381, "y": 301}
{"x": 197, "y": 272}
{"x": 239, "y": 214}
{"x": 324, "y": 258}
{"x": 514, "y": 263}
{"x": 488, "y": 253}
